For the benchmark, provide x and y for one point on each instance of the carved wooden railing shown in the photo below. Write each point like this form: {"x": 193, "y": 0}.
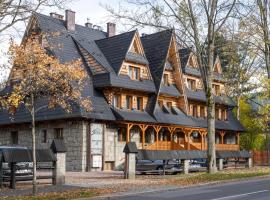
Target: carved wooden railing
{"x": 227, "y": 147}
{"x": 164, "y": 145}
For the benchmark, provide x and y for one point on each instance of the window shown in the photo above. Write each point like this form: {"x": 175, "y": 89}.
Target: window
{"x": 195, "y": 113}
{"x": 169, "y": 105}
{"x": 14, "y": 137}
{"x": 160, "y": 103}
{"x": 117, "y": 100}
{"x": 139, "y": 103}
{"x": 216, "y": 89}
{"x": 202, "y": 113}
{"x": 129, "y": 102}
{"x": 191, "y": 84}
{"x": 58, "y": 133}
{"x": 134, "y": 73}
{"x": 165, "y": 81}
{"x": 44, "y": 136}
{"x": 217, "y": 114}
{"x": 224, "y": 114}
{"x": 121, "y": 136}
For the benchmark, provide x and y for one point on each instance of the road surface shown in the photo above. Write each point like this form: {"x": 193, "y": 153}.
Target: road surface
{"x": 243, "y": 190}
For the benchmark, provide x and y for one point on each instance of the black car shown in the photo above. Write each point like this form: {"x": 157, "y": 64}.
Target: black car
{"x": 156, "y": 166}
{"x": 22, "y": 168}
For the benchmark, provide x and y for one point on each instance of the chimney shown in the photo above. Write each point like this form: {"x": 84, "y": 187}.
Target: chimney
{"x": 88, "y": 24}
{"x": 56, "y": 15}
{"x": 110, "y": 29}
{"x": 70, "y": 20}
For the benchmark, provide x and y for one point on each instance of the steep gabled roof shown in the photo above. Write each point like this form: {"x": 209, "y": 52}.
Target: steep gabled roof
{"x": 156, "y": 48}
{"x": 184, "y": 54}
{"x": 115, "y": 48}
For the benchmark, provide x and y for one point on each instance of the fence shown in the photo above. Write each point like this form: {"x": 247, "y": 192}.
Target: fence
{"x": 261, "y": 157}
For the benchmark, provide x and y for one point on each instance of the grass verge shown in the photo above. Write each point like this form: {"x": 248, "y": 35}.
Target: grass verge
{"x": 177, "y": 180}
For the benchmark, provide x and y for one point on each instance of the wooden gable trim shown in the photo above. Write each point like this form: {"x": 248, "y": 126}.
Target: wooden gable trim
{"x": 192, "y": 59}
{"x": 177, "y": 73}
{"x": 136, "y": 41}
{"x": 217, "y": 66}
{"x": 93, "y": 64}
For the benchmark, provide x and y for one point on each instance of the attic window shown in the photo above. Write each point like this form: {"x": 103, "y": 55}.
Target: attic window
{"x": 134, "y": 73}
{"x": 129, "y": 102}
{"x": 216, "y": 89}
{"x": 166, "y": 80}
{"x": 191, "y": 84}
{"x": 169, "y": 105}
{"x": 160, "y": 103}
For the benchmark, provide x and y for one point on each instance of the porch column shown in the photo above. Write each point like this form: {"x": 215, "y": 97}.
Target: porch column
{"x": 187, "y": 136}
{"x": 129, "y": 126}
{"x": 202, "y": 140}
{"x": 143, "y": 129}
{"x": 157, "y": 129}
{"x": 238, "y": 138}
{"x": 222, "y": 133}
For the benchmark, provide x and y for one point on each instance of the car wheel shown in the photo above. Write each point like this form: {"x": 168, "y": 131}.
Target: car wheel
{"x": 160, "y": 170}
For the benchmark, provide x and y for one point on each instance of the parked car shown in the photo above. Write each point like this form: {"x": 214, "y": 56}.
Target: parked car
{"x": 202, "y": 163}
{"x": 156, "y": 166}
{"x": 22, "y": 168}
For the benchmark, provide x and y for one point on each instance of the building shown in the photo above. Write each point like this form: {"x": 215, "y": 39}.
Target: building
{"x": 142, "y": 88}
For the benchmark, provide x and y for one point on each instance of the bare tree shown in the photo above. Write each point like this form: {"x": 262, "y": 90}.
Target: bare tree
{"x": 195, "y": 23}
{"x": 14, "y": 11}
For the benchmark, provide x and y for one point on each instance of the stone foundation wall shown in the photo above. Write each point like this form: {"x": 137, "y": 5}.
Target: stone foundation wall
{"x": 74, "y": 135}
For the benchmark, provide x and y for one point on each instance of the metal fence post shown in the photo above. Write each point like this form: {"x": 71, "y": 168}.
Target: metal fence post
{"x": 13, "y": 175}
{"x": 1, "y": 170}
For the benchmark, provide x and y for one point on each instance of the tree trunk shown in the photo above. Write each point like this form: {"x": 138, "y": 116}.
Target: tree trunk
{"x": 211, "y": 151}
{"x": 263, "y": 6}
{"x": 238, "y": 106}
{"x": 34, "y": 145}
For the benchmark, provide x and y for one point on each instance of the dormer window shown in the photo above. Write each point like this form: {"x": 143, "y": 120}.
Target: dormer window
{"x": 160, "y": 103}
{"x": 216, "y": 89}
{"x": 117, "y": 100}
{"x": 191, "y": 84}
{"x": 128, "y": 102}
{"x": 134, "y": 73}
{"x": 169, "y": 105}
{"x": 165, "y": 81}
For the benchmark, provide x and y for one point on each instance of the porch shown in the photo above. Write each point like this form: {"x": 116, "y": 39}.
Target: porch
{"x": 162, "y": 137}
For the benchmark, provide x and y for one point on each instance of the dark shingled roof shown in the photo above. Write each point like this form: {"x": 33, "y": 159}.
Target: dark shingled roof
{"x": 156, "y": 48}
{"x": 115, "y": 48}
{"x": 134, "y": 115}
{"x": 184, "y": 55}
{"x": 199, "y": 95}
{"x": 110, "y": 53}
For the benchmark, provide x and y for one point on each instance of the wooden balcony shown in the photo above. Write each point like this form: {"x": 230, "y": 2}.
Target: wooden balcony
{"x": 165, "y": 145}
{"x": 227, "y": 147}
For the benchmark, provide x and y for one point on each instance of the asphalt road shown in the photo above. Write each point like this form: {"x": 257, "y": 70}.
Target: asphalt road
{"x": 244, "y": 190}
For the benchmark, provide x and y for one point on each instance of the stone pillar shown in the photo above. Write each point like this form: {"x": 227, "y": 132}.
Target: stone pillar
{"x": 249, "y": 163}
{"x": 130, "y": 151}
{"x": 59, "y": 171}
{"x": 130, "y": 166}
{"x": 185, "y": 164}
{"x": 220, "y": 163}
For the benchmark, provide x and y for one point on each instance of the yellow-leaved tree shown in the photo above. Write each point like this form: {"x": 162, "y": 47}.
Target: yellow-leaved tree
{"x": 36, "y": 75}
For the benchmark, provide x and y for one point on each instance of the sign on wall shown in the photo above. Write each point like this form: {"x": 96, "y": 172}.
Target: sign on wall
{"x": 96, "y": 144}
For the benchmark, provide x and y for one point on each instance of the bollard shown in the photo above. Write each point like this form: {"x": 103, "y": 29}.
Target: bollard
{"x": 185, "y": 164}
{"x": 220, "y": 164}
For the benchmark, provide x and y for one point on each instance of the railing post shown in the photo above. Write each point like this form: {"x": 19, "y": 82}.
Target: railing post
{"x": 1, "y": 170}
{"x": 185, "y": 164}
{"x": 13, "y": 175}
